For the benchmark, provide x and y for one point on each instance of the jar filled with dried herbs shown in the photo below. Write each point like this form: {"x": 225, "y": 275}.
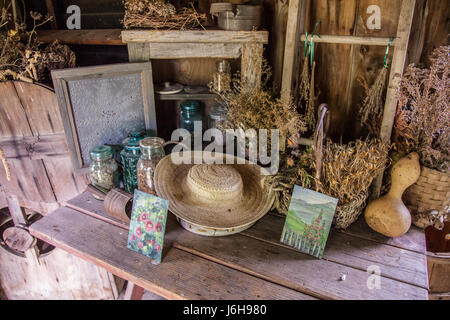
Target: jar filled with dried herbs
{"x": 152, "y": 151}
{"x": 130, "y": 156}
{"x": 103, "y": 171}
{"x": 222, "y": 76}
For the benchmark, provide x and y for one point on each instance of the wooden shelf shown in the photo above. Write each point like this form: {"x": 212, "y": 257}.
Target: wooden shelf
{"x": 89, "y": 37}
{"x": 187, "y": 96}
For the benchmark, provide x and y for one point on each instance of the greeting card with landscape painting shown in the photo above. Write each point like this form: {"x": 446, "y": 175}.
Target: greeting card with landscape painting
{"x": 147, "y": 225}
{"x": 308, "y": 221}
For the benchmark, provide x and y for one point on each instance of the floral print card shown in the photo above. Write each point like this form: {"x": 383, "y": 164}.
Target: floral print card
{"x": 308, "y": 221}
{"x": 147, "y": 225}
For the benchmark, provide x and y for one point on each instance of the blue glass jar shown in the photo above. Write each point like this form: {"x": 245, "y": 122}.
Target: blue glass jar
{"x": 129, "y": 157}
{"x": 190, "y": 112}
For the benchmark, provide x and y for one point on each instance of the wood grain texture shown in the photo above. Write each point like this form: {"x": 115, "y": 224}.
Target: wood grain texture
{"x": 195, "y": 50}
{"x": 105, "y": 245}
{"x": 33, "y": 135}
{"x": 209, "y": 36}
{"x": 59, "y": 276}
{"x": 85, "y": 37}
{"x": 344, "y": 254}
{"x": 398, "y": 264}
{"x": 319, "y": 278}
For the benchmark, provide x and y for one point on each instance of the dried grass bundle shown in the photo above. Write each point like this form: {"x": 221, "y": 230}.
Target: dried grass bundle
{"x": 347, "y": 173}
{"x": 422, "y": 122}
{"x": 250, "y": 107}
{"x": 295, "y": 169}
{"x": 160, "y": 14}
{"x": 254, "y": 107}
{"x": 371, "y": 109}
{"x": 21, "y": 55}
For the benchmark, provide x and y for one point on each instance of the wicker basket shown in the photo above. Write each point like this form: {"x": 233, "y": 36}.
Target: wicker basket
{"x": 430, "y": 192}
{"x": 348, "y": 213}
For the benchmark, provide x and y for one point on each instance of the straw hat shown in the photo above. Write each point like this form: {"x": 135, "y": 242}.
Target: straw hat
{"x": 213, "y": 200}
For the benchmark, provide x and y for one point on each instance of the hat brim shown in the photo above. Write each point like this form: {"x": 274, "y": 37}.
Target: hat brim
{"x": 170, "y": 184}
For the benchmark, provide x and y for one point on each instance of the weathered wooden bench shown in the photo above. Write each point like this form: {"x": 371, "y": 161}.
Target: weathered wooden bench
{"x": 249, "y": 265}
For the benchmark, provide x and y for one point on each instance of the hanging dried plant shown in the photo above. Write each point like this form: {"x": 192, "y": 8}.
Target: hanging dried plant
{"x": 371, "y": 109}
{"x": 161, "y": 14}
{"x": 22, "y": 57}
{"x": 422, "y": 122}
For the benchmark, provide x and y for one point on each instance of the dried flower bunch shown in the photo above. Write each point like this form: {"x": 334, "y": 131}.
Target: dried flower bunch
{"x": 423, "y": 117}
{"x": 347, "y": 173}
{"x": 254, "y": 107}
{"x": 250, "y": 107}
{"x": 371, "y": 109}
{"x": 161, "y": 14}
{"x": 21, "y": 55}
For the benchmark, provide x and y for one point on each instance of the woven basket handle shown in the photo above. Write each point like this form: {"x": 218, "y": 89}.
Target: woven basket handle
{"x": 319, "y": 136}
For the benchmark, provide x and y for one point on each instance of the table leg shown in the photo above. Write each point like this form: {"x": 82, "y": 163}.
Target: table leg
{"x": 133, "y": 292}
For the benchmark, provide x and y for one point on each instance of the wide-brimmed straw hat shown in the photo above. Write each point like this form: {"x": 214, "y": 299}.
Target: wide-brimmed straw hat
{"x": 215, "y": 199}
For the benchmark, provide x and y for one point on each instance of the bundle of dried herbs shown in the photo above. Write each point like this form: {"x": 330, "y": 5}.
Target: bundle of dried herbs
{"x": 422, "y": 122}
{"x": 254, "y": 107}
{"x": 162, "y": 14}
{"x": 22, "y": 57}
{"x": 371, "y": 109}
{"x": 347, "y": 173}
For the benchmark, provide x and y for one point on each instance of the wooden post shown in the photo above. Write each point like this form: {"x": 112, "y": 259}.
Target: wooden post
{"x": 295, "y": 28}
{"x": 397, "y": 67}
{"x": 133, "y": 292}
{"x": 251, "y": 63}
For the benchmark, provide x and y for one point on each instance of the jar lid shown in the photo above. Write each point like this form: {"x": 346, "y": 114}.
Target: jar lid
{"x": 223, "y": 66}
{"x": 133, "y": 140}
{"x": 217, "y": 112}
{"x": 151, "y": 142}
{"x": 190, "y": 105}
{"x": 101, "y": 152}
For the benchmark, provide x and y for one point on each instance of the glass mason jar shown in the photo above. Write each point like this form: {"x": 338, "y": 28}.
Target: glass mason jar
{"x": 190, "y": 112}
{"x": 152, "y": 151}
{"x": 103, "y": 171}
{"x": 222, "y": 76}
{"x": 129, "y": 157}
{"x": 216, "y": 116}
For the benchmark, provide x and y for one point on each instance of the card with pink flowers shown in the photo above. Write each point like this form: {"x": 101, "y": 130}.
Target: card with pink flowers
{"x": 147, "y": 225}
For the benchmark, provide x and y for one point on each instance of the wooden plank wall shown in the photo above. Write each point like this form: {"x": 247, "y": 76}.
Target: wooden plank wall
{"x": 339, "y": 66}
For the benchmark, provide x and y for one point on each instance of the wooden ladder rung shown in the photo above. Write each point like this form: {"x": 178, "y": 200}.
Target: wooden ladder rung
{"x": 370, "y": 41}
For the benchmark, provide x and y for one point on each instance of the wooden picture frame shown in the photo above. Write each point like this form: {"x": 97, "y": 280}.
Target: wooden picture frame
{"x": 106, "y": 83}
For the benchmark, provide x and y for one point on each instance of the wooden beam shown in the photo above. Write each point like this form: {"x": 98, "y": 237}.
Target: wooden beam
{"x": 397, "y": 67}
{"x": 209, "y": 36}
{"x": 89, "y": 37}
{"x": 295, "y": 27}
{"x": 195, "y": 50}
{"x": 368, "y": 41}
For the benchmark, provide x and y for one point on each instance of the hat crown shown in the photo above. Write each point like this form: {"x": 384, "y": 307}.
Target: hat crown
{"x": 215, "y": 182}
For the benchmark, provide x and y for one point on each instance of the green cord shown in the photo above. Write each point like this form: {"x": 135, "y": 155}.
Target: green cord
{"x": 309, "y": 44}
{"x": 387, "y": 53}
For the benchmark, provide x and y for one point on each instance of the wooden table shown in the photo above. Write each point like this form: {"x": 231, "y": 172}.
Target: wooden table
{"x": 249, "y": 265}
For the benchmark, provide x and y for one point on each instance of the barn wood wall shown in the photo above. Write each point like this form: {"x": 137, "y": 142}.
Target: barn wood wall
{"x": 338, "y": 66}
